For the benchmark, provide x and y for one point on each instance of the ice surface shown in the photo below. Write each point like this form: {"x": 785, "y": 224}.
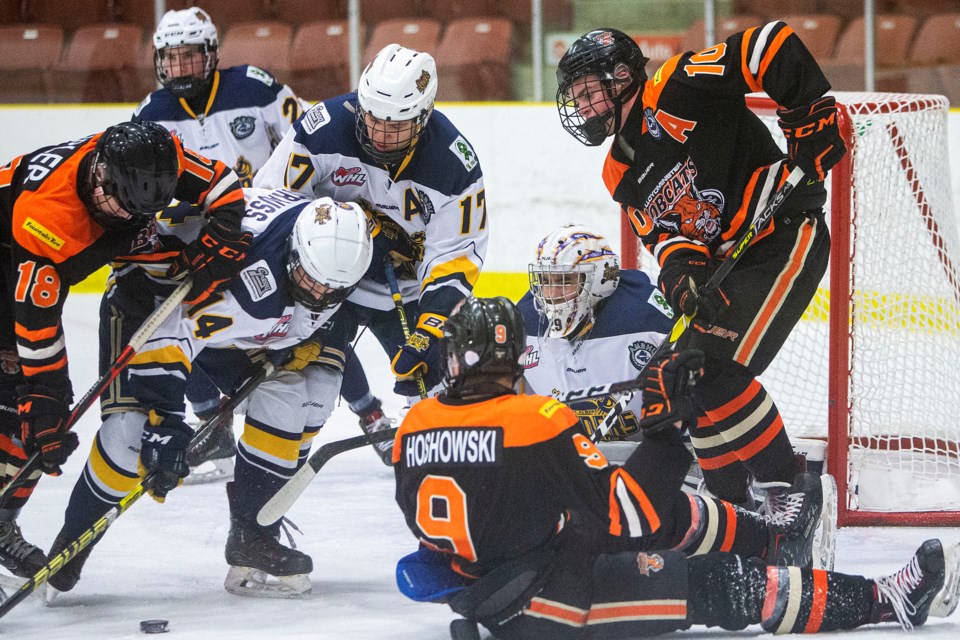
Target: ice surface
{"x": 166, "y": 561}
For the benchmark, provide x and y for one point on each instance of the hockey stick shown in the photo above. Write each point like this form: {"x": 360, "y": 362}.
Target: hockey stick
{"x": 140, "y": 338}
{"x": 98, "y": 528}
{"x": 284, "y": 498}
{"x": 759, "y": 224}
{"x": 398, "y": 303}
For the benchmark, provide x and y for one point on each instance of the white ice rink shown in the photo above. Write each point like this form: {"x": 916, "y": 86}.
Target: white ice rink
{"x": 166, "y": 561}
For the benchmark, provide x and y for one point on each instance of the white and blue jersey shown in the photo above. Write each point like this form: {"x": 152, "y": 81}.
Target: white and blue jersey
{"x": 431, "y": 208}
{"x": 628, "y": 327}
{"x": 256, "y": 312}
{"x": 245, "y": 116}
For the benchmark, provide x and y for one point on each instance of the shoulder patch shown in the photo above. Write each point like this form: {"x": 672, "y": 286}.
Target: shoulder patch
{"x": 46, "y": 236}
{"x": 315, "y": 118}
{"x": 640, "y": 353}
{"x": 657, "y": 300}
{"x": 464, "y": 152}
{"x": 550, "y": 407}
{"x": 259, "y": 280}
{"x": 259, "y": 74}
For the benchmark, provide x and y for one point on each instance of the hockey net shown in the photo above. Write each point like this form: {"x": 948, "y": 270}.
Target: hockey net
{"x": 874, "y": 366}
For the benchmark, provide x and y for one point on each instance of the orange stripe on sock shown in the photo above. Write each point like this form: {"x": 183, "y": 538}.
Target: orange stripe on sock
{"x": 731, "y": 527}
{"x": 819, "y": 604}
{"x": 746, "y": 452}
{"x": 725, "y": 411}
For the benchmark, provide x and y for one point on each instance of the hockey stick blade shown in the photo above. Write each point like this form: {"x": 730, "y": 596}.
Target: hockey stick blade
{"x": 284, "y": 498}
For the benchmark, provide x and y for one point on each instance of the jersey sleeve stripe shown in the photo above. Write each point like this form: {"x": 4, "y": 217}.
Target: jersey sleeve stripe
{"x": 190, "y": 165}
{"x": 164, "y": 355}
{"x": 625, "y": 496}
{"x": 29, "y": 370}
{"x": 746, "y": 64}
{"x": 773, "y": 49}
{"x": 460, "y": 268}
{"x": 36, "y": 335}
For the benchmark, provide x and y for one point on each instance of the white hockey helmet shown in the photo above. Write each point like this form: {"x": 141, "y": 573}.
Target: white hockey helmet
{"x": 574, "y": 270}
{"x": 330, "y": 250}
{"x": 396, "y": 95}
{"x": 185, "y": 51}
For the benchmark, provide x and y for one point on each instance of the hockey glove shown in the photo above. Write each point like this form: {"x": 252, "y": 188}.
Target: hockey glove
{"x": 681, "y": 281}
{"x": 298, "y": 356}
{"x": 419, "y": 356}
{"x": 212, "y": 259}
{"x": 163, "y": 454}
{"x": 813, "y": 137}
{"x": 666, "y": 381}
{"x": 43, "y": 420}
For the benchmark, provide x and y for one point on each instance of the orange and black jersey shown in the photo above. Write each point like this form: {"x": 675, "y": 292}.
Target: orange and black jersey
{"x": 692, "y": 164}
{"x": 52, "y": 241}
{"x": 488, "y": 481}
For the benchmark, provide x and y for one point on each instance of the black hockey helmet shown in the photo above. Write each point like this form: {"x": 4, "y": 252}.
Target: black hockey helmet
{"x": 618, "y": 65}
{"x": 484, "y": 337}
{"x": 138, "y": 164}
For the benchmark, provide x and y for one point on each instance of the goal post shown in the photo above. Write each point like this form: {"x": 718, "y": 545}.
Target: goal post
{"x": 874, "y": 365}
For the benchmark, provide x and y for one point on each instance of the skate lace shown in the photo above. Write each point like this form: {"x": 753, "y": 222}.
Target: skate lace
{"x": 782, "y": 509}
{"x": 286, "y": 524}
{"x": 12, "y": 542}
{"x": 375, "y": 422}
{"x": 896, "y": 590}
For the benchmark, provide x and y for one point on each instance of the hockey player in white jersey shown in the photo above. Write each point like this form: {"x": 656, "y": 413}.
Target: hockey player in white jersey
{"x": 307, "y": 256}
{"x": 236, "y": 115}
{"x": 387, "y": 148}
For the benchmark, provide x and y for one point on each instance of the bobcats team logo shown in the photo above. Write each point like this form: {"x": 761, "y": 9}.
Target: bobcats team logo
{"x": 604, "y": 38}
{"x": 423, "y": 81}
{"x": 611, "y": 273}
{"x": 243, "y": 127}
{"x": 640, "y": 353}
{"x": 649, "y": 563}
{"x": 244, "y": 171}
{"x": 698, "y": 219}
{"x": 342, "y": 177}
{"x": 322, "y": 214}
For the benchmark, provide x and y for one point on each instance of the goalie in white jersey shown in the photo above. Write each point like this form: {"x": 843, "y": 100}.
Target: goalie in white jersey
{"x": 590, "y": 323}
{"x": 418, "y": 178}
{"x": 236, "y": 115}
{"x": 306, "y": 258}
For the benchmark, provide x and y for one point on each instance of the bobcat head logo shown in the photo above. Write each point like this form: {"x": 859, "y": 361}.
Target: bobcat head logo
{"x": 322, "y": 214}
{"x": 423, "y": 81}
{"x": 649, "y": 563}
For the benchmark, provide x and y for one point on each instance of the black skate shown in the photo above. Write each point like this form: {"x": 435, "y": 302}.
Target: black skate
{"x": 255, "y": 556}
{"x": 909, "y": 595}
{"x": 374, "y": 420}
{"x": 211, "y": 459}
{"x": 792, "y": 514}
{"x": 69, "y": 574}
{"x": 16, "y": 554}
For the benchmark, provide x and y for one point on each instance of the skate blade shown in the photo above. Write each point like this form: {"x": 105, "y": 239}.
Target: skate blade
{"x": 219, "y": 470}
{"x": 253, "y": 583}
{"x": 825, "y": 538}
{"x": 945, "y": 602}
{"x": 9, "y": 585}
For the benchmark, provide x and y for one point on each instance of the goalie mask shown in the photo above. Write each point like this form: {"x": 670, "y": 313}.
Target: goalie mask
{"x": 396, "y": 95}
{"x": 600, "y": 72}
{"x": 330, "y": 250}
{"x": 185, "y": 55}
{"x": 482, "y": 338}
{"x": 134, "y": 173}
{"x": 574, "y": 270}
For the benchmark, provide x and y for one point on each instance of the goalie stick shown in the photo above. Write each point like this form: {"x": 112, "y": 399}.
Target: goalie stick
{"x": 140, "y": 338}
{"x": 284, "y": 498}
{"x": 759, "y": 224}
{"x": 98, "y": 528}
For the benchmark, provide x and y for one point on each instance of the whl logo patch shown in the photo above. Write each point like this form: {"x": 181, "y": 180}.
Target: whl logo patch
{"x": 345, "y": 176}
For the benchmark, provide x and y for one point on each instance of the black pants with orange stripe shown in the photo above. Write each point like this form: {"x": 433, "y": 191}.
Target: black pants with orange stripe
{"x": 740, "y": 433}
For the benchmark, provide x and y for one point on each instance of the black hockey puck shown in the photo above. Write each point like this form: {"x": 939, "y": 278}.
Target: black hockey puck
{"x": 154, "y": 626}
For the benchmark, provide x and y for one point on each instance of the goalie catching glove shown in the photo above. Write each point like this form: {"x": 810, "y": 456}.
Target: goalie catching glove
{"x": 418, "y": 353}
{"x": 813, "y": 137}
{"x": 666, "y": 381}
{"x": 212, "y": 260}
{"x": 163, "y": 454}
{"x": 681, "y": 281}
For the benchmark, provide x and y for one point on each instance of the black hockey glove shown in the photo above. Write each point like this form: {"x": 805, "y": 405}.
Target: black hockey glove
{"x": 666, "y": 380}
{"x": 43, "y": 421}
{"x": 813, "y": 137}
{"x": 681, "y": 281}
{"x": 212, "y": 259}
{"x": 163, "y": 454}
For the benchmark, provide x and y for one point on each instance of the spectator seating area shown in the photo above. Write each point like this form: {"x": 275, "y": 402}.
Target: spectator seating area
{"x": 100, "y": 50}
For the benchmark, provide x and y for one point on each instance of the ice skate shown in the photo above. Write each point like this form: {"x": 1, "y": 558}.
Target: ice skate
{"x": 261, "y": 567}
{"x": 374, "y": 420}
{"x": 908, "y": 595}
{"x": 16, "y": 554}
{"x": 211, "y": 459}
{"x": 825, "y": 537}
{"x": 69, "y": 574}
{"x": 793, "y": 513}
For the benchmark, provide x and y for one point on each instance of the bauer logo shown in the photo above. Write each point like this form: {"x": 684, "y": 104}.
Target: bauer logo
{"x": 243, "y": 127}
{"x": 315, "y": 118}
{"x": 640, "y": 353}
{"x": 462, "y": 149}
{"x": 453, "y": 446}
{"x": 259, "y": 280}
